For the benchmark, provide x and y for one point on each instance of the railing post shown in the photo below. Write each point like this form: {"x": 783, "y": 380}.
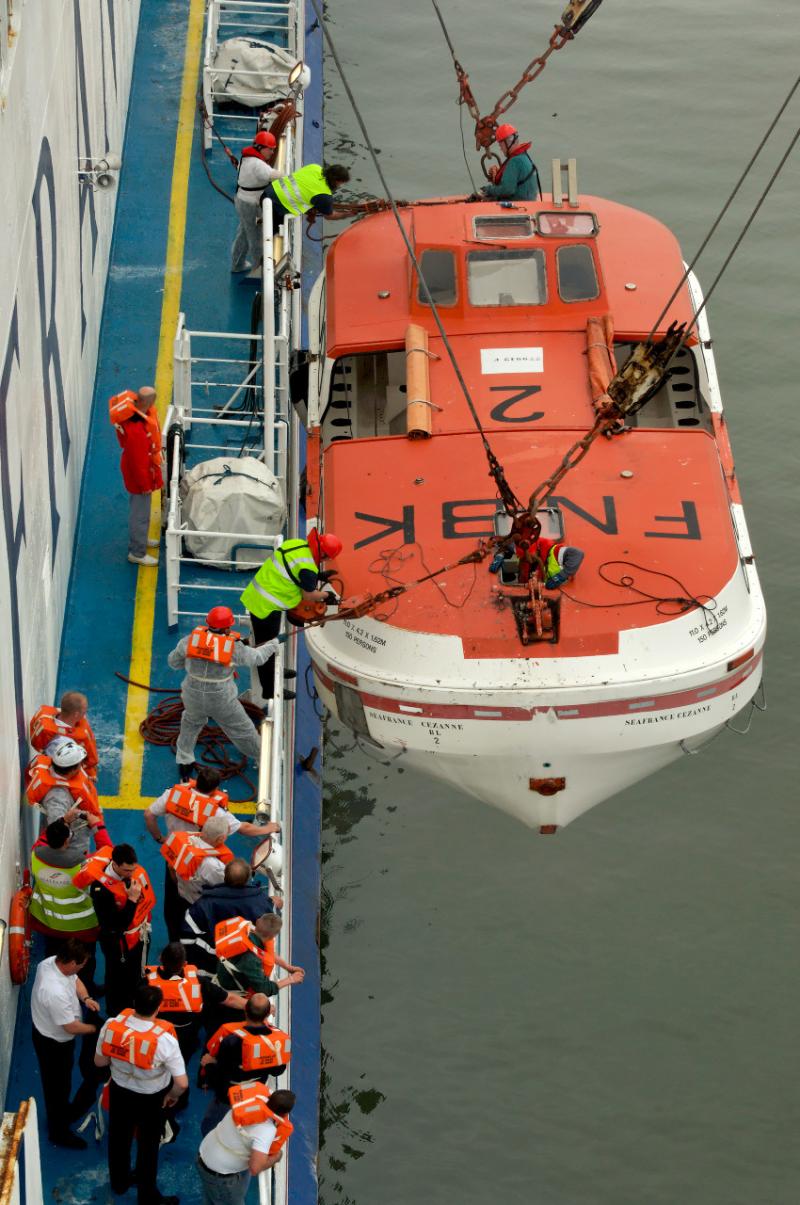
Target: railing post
{"x": 182, "y": 373}
{"x": 268, "y": 307}
{"x": 173, "y": 539}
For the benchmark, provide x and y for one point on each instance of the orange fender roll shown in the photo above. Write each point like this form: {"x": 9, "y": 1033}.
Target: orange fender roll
{"x": 19, "y": 934}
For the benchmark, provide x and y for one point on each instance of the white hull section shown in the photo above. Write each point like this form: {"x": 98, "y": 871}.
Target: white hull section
{"x": 64, "y": 86}
{"x": 496, "y": 728}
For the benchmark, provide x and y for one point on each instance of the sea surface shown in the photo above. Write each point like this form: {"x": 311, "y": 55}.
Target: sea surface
{"x": 608, "y": 1016}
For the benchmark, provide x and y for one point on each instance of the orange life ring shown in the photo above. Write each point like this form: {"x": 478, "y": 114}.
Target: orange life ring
{"x": 19, "y": 933}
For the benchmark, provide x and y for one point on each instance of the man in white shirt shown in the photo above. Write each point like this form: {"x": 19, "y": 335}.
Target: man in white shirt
{"x": 211, "y": 870}
{"x": 56, "y": 1012}
{"x": 253, "y": 177}
{"x": 206, "y": 785}
{"x": 230, "y": 1154}
{"x": 145, "y": 1082}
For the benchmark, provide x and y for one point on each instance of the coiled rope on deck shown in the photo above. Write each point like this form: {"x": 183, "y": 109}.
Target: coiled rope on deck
{"x": 162, "y": 724}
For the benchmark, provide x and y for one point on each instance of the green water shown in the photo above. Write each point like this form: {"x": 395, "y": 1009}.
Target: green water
{"x": 608, "y": 1017}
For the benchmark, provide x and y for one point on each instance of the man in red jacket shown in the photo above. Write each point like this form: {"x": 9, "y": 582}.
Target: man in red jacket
{"x": 135, "y": 420}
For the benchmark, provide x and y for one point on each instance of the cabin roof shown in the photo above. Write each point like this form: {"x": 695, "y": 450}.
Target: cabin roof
{"x": 371, "y": 295}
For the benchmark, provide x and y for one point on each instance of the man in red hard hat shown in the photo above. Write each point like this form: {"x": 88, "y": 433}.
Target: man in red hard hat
{"x": 210, "y": 654}
{"x": 135, "y": 420}
{"x": 288, "y": 577}
{"x": 517, "y": 178}
{"x": 253, "y": 177}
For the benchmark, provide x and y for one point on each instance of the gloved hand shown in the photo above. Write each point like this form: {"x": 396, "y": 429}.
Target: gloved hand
{"x": 497, "y": 562}
{"x": 557, "y": 579}
{"x": 281, "y": 638}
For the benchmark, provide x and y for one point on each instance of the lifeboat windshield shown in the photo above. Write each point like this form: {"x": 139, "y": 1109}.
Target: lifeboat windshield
{"x": 506, "y": 277}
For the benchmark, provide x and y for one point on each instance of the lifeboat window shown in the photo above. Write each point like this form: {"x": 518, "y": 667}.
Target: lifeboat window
{"x": 439, "y": 271}
{"x": 505, "y": 226}
{"x": 567, "y": 225}
{"x": 506, "y": 277}
{"x": 577, "y": 277}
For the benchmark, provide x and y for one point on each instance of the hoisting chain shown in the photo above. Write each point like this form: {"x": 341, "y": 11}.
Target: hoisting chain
{"x": 573, "y": 18}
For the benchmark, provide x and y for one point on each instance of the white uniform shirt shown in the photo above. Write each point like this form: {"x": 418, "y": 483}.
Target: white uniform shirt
{"x": 209, "y": 873}
{"x": 226, "y": 1149}
{"x": 254, "y": 173}
{"x": 176, "y": 825}
{"x": 168, "y": 1061}
{"x": 54, "y": 1002}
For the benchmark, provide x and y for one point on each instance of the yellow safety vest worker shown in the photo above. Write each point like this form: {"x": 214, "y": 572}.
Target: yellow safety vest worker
{"x": 276, "y": 586}
{"x": 56, "y": 902}
{"x": 295, "y": 192}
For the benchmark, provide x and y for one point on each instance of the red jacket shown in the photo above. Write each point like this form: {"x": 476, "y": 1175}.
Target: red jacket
{"x": 140, "y": 439}
{"x": 138, "y": 471}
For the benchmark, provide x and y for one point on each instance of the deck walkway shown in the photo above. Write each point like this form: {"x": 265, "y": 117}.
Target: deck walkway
{"x": 170, "y": 250}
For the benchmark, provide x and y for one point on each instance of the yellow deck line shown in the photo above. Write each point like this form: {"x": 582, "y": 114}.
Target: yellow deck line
{"x": 130, "y": 783}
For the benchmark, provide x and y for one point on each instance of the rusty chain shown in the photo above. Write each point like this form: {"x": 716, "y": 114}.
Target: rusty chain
{"x": 574, "y": 17}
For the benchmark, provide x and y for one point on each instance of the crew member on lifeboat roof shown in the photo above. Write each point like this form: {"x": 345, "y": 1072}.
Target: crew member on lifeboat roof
{"x": 209, "y": 691}
{"x": 517, "y": 177}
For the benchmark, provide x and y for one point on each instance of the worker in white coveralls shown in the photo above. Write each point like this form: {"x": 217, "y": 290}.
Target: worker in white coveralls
{"x": 210, "y": 655}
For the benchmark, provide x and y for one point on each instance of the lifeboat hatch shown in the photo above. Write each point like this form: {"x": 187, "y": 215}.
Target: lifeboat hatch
{"x": 350, "y": 709}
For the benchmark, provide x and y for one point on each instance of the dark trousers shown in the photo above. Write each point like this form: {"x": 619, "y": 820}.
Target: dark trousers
{"x": 174, "y": 906}
{"x": 130, "y": 1112}
{"x": 55, "y": 1068}
{"x": 123, "y": 973}
{"x": 264, "y": 630}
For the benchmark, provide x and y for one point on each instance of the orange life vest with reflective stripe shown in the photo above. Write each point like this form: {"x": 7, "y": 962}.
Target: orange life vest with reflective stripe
{"x": 121, "y": 408}
{"x": 41, "y": 777}
{"x": 192, "y": 806}
{"x": 46, "y": 725}
{"x": 181, "y": 994}
{"x": 249, "y": 1106}
{"x": 133, "y": 1046}
{"x": 186, "y": 857}
{"x": 94, "y": 870}
{"x": 259, "y": 1050}
{"x": 205, "y": 645}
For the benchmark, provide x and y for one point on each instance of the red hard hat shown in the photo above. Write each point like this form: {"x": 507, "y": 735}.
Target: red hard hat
{"x": 330, "y": 545}
{"x": 505, "y": 131}
{"x": 264, "y": 138}
{"x": 220, "y": 618}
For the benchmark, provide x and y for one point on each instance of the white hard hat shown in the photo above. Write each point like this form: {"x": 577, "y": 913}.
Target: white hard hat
{"x": 65, "y": 752}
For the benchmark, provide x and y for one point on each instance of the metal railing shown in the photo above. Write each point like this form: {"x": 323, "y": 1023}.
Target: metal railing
{"x": 262, "y": 19}
{"x": 19, "y": 1145}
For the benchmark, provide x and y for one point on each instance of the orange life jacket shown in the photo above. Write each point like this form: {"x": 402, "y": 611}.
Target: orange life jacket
{"x": 46, "y": 725}
{"x": 181, "y": 995}
{"x": 259, "y": 1050}
{"x": 205, "y": 645}
{"x": 186, "y": 857}
{"x": 249, "y": 1106}
{"x": 121, "y": 408}
{"x": 133, "y": 1046}
{"x": 95, "y": 870}
{"x": 41, "y": 777}
{"x": 192, "y": 806}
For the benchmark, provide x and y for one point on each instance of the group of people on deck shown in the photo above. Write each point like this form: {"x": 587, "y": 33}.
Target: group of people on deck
{"x": 213, "y": 983}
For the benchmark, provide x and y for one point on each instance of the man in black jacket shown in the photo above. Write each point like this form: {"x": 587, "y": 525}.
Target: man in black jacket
{"x": 225, "y": 1067}
{"x": 237, "y": 895}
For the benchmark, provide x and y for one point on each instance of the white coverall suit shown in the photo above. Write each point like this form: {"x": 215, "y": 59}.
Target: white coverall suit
{"x": 209, "y": 692}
